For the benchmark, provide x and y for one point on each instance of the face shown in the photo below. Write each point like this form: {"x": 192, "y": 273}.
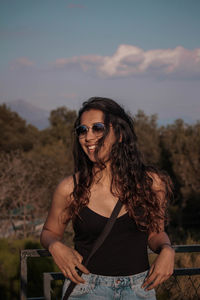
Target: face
{"x": 90, "y": 140}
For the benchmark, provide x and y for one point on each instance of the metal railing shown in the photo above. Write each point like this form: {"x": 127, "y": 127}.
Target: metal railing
{"x": 164, "y": 290}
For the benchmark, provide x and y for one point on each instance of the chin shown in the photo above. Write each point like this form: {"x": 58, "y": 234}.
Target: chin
{"x": 104, "y": 158}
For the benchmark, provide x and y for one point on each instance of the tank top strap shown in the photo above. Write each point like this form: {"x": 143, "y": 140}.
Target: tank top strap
{"x": 74, "y": 178}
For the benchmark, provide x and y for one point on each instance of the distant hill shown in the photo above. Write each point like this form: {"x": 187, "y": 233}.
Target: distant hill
{"x": 31, "y": 113}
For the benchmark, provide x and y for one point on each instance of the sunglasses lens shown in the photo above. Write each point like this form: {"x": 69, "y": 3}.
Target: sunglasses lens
{"x": 81, "y": 130}
{"x": 98, "y": 128}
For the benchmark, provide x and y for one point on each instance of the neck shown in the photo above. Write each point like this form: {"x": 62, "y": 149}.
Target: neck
{"x": 103, "y": 176}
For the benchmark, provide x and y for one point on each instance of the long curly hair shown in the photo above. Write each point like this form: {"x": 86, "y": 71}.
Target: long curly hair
{"x": 132, "y": 180}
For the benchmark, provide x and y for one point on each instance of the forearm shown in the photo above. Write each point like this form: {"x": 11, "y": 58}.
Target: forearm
{"x": 158, "y": 241}
{"x": 48, "y": 238}
{"x": 163, "y": 265}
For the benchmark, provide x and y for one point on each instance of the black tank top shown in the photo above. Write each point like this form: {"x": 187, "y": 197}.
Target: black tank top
{"x": 123, "y": 253}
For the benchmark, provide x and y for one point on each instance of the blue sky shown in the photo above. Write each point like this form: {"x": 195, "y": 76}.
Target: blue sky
{"x": 143, "y": 53}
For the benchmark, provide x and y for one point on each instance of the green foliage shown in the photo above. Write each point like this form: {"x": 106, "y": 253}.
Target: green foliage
{"x": 10, "y": 268}
{"x": 27, "y": 186}
{"x": 62, "y": 121}
{"x": 180, "y": 144}
{"x": 148, "y": 137}
{"x": 15, "y": 133}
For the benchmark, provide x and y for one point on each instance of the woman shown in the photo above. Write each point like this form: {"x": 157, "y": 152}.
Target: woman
{"x": 108, "y": 167}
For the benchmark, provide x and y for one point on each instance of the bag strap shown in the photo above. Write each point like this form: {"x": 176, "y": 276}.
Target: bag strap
{"x": 105, "y": 231}
{"x": 98, "y": 242}
{"x": 74, "y": 178}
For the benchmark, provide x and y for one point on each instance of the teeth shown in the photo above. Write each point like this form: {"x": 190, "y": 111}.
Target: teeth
{"x": 91, "y": 147}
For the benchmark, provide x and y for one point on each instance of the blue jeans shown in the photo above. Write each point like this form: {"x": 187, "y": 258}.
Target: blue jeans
{"x": 97, "y": 287}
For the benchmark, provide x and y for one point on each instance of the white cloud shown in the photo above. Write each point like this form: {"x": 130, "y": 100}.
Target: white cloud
{"x": 129, "y": 60}
{"x": 22, "y": 62}
{"x": 86, "y": 63}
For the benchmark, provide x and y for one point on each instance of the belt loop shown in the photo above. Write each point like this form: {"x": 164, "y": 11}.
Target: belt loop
{"x": 94, "y": 279}
{"x": 131, "y": 280}
{"x": 91, "y": 280}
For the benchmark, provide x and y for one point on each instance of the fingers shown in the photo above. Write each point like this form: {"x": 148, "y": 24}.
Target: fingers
{"x": 64, "y": 273}
{"x": 148, "y": 278}
{"x": 154, "y": 280}
{"x": 76, "y": 276}
{"x": 78, "y": 263}
{"x": 82, "y": 268}
{"x": 153, "y": 284}
{"x": 68, "y": 260}
{"x": 72, "y": 273}
{"x": 78, "y": 256}
{"x": 160, "y": 271}
{"x": 150, "y": 284}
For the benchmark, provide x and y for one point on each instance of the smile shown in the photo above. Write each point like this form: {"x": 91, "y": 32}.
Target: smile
{"x": 91, "y": 148}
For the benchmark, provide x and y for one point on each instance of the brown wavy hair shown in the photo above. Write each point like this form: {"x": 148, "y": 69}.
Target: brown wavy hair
{"x": 132, "y": 180}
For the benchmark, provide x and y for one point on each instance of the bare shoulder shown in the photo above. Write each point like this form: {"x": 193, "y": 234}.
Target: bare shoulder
{"x": 58, "y": 215}
{"x": 62, "y": 195}
{"x": 65, "y": 187}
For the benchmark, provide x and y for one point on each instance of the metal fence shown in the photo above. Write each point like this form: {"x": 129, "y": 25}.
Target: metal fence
{"x": 183, "y": 285}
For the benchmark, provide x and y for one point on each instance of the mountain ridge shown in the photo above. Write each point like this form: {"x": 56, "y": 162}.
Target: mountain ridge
{"x": 31, "y": 113}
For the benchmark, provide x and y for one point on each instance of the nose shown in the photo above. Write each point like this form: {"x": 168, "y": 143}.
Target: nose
{"x": 90, "y": 135}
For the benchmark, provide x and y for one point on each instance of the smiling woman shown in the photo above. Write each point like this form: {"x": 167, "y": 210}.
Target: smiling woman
{"x": 89, "y": 141}
{"x": 108, "y": 168}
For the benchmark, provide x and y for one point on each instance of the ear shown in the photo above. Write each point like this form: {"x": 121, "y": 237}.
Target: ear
{"x": 120, "y": 138}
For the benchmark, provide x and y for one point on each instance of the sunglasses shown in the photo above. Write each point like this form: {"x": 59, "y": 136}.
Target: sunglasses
{"x": 97, "y": 129}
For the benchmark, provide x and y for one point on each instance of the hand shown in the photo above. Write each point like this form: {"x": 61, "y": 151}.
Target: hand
{"x": 161, "y": 269}
{"x": 68, "y": 259}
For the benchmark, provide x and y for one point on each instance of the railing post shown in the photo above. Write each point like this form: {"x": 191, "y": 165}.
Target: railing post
{"x": 47, "y": 286}
{"x": 23, "y": 272}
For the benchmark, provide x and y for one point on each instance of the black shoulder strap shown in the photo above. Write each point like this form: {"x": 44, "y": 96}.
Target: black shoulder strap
{"x": 98, "y": 243}
{"x": 74, "y": 178}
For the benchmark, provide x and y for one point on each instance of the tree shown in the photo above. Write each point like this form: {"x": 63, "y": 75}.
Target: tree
{"x": 62, "y": 120}
{"x": 15, "y": 133}
{"x": 180, "y": 153}
{"x": 26, "y": 187}
{"x": 148, "y": 136}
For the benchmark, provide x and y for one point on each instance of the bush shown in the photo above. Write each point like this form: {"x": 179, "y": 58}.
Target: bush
{"x": 10, "y": 268}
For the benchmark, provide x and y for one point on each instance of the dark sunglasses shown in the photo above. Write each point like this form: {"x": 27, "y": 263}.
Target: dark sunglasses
{"x": 97, "y": 128}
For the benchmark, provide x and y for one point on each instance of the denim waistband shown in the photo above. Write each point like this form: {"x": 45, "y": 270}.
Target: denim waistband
{"x": 115, "y": 280}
